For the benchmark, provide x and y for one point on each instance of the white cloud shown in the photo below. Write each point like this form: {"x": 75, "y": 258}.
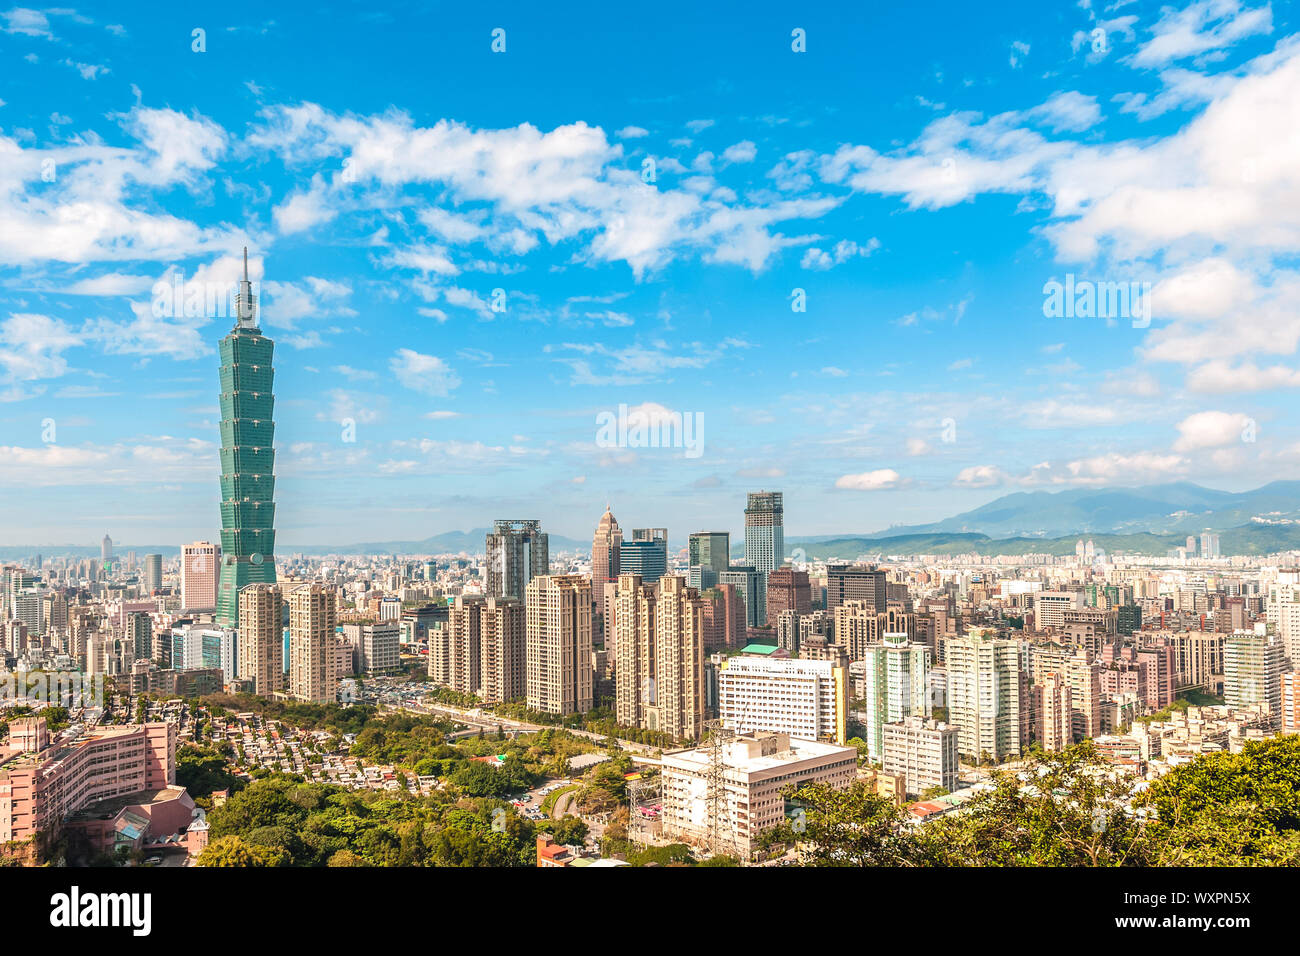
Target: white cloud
{"x": 742, "y": 152}
{"x": 979, "y": 476}
{"x": 881, "y": 479}
{"x": 423, "y": 373}
{"x": 1201, "y": 27}
{"x": 1210, "y": 430}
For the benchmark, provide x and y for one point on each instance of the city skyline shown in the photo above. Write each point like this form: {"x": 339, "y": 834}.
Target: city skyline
{"x": 919, "y": 211}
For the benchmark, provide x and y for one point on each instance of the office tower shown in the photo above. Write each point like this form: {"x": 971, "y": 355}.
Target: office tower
{"x": 764, "y": 530}
{"x": 517, "y": 552}
{"x": 924, "y": 752}
{"x": 503, "y": 650}
{"x": 701, "y": 578}
{"x": 984, "y": 700}
{"x": 605, "y": 549}
{"x": 646, "y": 554}
{"x": 466, "y": 642}
{"x": 1050, "y": 607}
{"x": 808, "y": 700}
{"x": 139, "y": 635}
{"x": 748, "y": 582}
{"x": 895, "y": 685}
{"x": 314, "y": 663}
{"x": 196, "y": 646}
{"x": 261, "y": 638}
{"x": 200, "y": 569}
{"x": 724, "y": 618}
{"x": 788, "y": 589}
{"x": 152, "y": 574}
{"x": 1209, "y": 545}
{"x": 247, "y": 457}
{"x": 1128, "y": 618}
{"x": 26, "y": 606}
{"x": 106, "y": 549}
{"x": 559, "y": 644}
{"x": 376, "y": 647}
{"x": 709, "y": 549}
{"x": 1252, "y": 671}
{"x": 1053, "y": 720}
{"x": 1291, "y": 703}
{"x": 855, "y": 582}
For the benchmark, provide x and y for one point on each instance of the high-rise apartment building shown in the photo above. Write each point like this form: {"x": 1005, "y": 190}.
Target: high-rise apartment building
{"x": 896, "y": 676}
{"x": 261, "y": 638}
{"x": 517, "y": 552}
{"x": 1252, "y": 671}
{"x": 465, "y": 624}
{"x": 200, "y": 564}
{"x": 659, "y": 656}
{"x": 502, "y": 650}
{"x": 314, "y": 656}
{"x": 634, "y": 607}
{"x": 1291, "y": 702}
{"x": 247, "y": 456}
{"x": 1053, "y": 720}
{"x": 807, "y": 700}
{"x": 923, "y": 751}
{"x": 984, "y": 693}
{"x": 558, "y": 633}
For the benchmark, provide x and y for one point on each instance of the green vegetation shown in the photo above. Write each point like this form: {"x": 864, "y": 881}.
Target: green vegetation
{"x": 337, "y": 719}
{"x": 1073, "y": 809}
{"x": 279, "y": 822}
{"x": 201, "y": 770}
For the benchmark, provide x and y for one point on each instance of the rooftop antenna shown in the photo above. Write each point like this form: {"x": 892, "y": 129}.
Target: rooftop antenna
{"x": 245, "y": 301}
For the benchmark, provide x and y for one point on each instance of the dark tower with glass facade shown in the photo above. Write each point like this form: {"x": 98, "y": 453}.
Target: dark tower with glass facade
{"x": 247, "y": 457}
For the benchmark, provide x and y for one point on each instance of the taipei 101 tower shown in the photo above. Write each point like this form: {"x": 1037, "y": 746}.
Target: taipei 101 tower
{"x": 247, "y": 457}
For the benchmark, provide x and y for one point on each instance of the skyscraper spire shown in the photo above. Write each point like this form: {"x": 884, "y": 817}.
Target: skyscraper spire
{"x": 245, "y": 301}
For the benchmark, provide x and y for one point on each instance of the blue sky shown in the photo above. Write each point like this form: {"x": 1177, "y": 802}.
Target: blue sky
{"x": 920, "y": 173}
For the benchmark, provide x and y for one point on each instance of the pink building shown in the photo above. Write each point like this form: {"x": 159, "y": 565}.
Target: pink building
{"x": 40, "y": 790}
{"x": 199, "y": 572}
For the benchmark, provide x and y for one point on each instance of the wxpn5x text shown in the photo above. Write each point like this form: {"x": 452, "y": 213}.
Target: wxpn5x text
{"x": 1160, "y": 899}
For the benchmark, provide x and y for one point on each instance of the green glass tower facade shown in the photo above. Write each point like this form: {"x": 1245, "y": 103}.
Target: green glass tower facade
{"x": 247, "y": 457}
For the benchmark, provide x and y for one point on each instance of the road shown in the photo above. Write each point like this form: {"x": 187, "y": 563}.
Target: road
{"x": 491, "y": 722}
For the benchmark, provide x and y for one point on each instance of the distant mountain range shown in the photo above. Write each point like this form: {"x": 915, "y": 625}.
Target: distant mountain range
{"x": 1147, "y": 520}
{"x": 1179, "y": 507}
